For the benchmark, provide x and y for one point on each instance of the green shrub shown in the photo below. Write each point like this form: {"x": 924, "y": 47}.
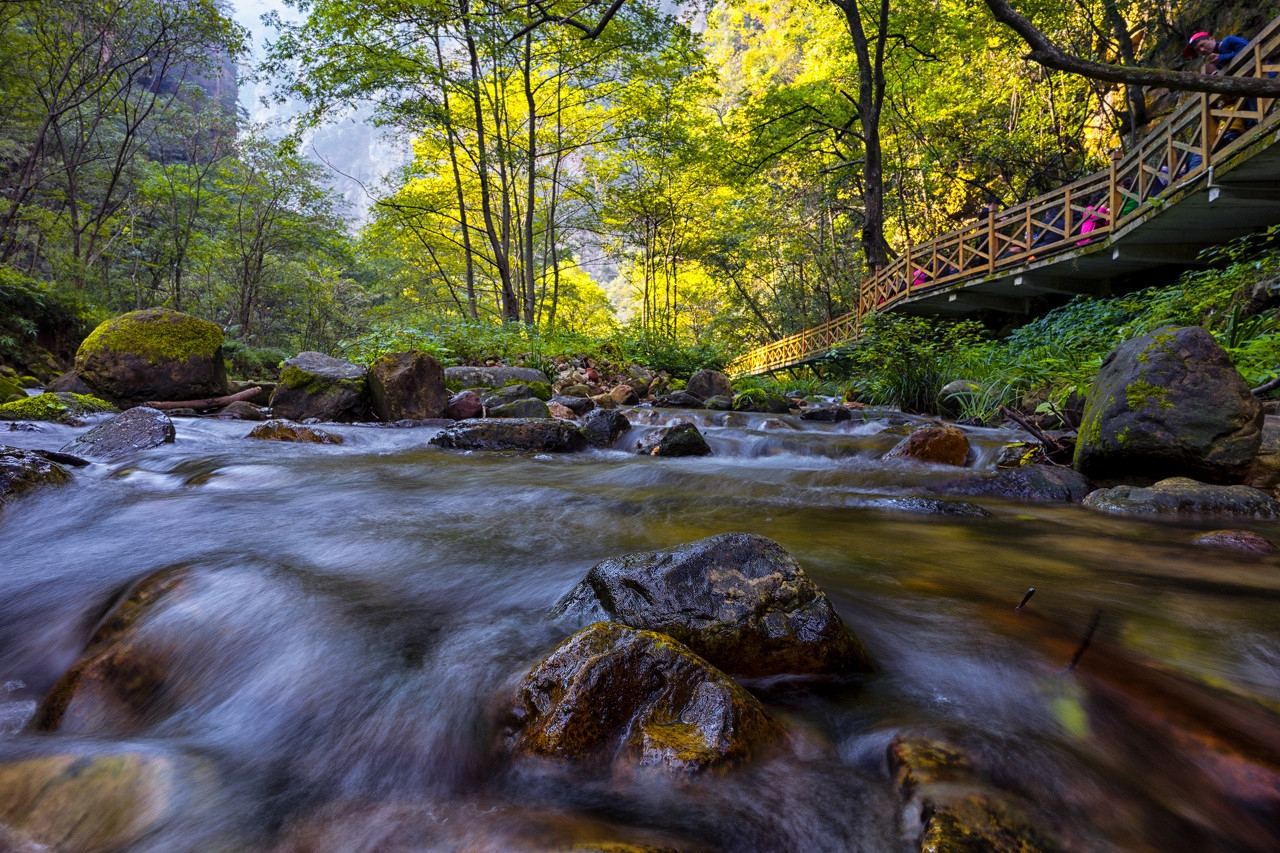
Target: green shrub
{"x": 249, "y": 362}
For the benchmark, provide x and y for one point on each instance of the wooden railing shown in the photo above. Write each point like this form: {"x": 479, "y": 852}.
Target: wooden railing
{"x": 1202, "y": 131}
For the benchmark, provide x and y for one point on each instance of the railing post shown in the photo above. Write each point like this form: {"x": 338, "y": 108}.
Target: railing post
{"x": 991, "y": 241}
{"x": 1113, "y": 203}
{"x": 1205, "y": 140}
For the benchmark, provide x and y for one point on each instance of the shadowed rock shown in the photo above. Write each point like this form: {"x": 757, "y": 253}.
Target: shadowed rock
{"x": 543, "y": 435}
{"x": 465, "y": 405}
{"x": 827, "y": 414}
{"x": 1169, "y": 404}
{"x": 709, "y": 383}
{"x": 679, "y": 400}
{"x": 23, "y": 470}
{"x": 738, "y": 600}
{"x": 603, "y": 426}
{"x": 140, "y": 428}
{"x": 1028, "y": 483}
{"x": 407, "y": 386}
{"x": 1183, "y": 496}
{"x": 528, "y": 408}
{"x": 614, "y": 694}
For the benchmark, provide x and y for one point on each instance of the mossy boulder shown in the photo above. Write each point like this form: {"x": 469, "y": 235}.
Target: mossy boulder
{"x": 1169, "y": 404}
{"x": 315, "y": 385}
{"x": 278, "y": 430}
{"x": 738, "y": 600}
{"x": 1184, "y": 496}
{"x": 22, "y": 470}
{"x": 140, "y": 428}
{"x": 530, "y": 407}
{"x": 407, "y": 385}
{"x": 940, "y": 445}
{"x": 62, "y": 407}
{"x": 10, "y": 390}
{"x": 154, "y": 354}
{"x": 493, "y": 377}
{"x": 759, "y": 400}
{"x": 506, "y": 394}
{"x": 682, "y": 439}
{"x": 614, "y": 695}
{"x": 535, "y": 434}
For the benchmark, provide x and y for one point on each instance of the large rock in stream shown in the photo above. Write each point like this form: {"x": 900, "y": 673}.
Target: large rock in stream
{"x": 940, "y": 444}
{"x": 709, "y": 383}
{"x": 615, "y": 695}
{"x": 154, "y": 354}
{"x": 407, "y": 386}
{"x": 738, "y": 600}
{"x": 22, "y": 470}
{"x": 1169, "y": 404}
{"x": 1184, "y": 496}
{"x": 315, "y": 385}
{"x": 140, "y": 428}
{"x": 1027, "y": 483}
{"x": 541, "y": 435}
{"x": 678, "y": 440}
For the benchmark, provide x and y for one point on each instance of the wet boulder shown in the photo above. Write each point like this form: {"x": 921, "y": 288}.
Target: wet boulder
{"x": 465, "y": 405}
{"x": 140, "y": 428}
{"x": 541, "y": 435}
{"x": 719, "y": 403}
{"x": 709, "y": 383}
{"x": 1184, "y": 496}
{"x": 1244, "y": 541}
{"x": 527, "y": 408}
{"x": 62, "y": 407}
{"x": 278, "y": 430}
{"x": 1169, "y": 404}
{"x": 564, "y": 413}
{"x": 738, "y": 600}
{"x": 154, "y": 354}
{"x": 241, "y": 410}
{"x": 1028, "y": 483}
{"x": 677, "y": 440}
{"x": 757, "y": 400}
{"x": 88, "y": 802}
{"x": 407, "y": 386}
{"x": 679, "y": 400}
{"x": 940, "y": 445}
{"x": 69, "y": 382}
{"x": 23, "y": 470}
{"x": 615, "y": 695}
{"x": 314, "y": 385}
{"x": 827, "y": 414}
{"x": 603, "y": 426}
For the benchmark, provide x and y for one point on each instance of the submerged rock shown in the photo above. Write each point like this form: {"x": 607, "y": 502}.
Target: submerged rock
{"x": 1169, "y": 404}
{"x": 315, "y": 385}
{"x": 827, "y": 414}
{"x": 241, "y": 411}
{"x": 603, "y": 426}
{"x": 23, "y": 470}
{"x": 1236, "y": 540}
{"x": 277, "y": 430}
{"x": 63, "y": 407}
{"x": 542, "y": 435}
{"x": 407, "y": 386}
{"x": 1183, "y": 496}
{"x": 677, "y": 440}
{"x": 154, "y": 354}
{"x": 941, "y": 445}
{"x": 140, "y": 428}
{"x": 931, "y": 506}
{"x": 1028, "y": 483}
{"x": 613, "y": 694}
{"x": 739, "y": 600}
{"x": 85, "y": 803}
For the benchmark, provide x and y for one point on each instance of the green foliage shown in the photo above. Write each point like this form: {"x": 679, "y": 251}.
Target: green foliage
{"x": 250, "y": 362}
{"x": 28, "y": 306}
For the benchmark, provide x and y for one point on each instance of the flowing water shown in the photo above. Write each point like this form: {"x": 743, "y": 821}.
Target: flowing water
{"x": 360, "y": 616}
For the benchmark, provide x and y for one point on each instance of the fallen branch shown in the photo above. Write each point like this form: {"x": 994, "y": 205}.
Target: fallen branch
{"x": 208, "y": 402}
{"x": 1051, "y": 445}
{"x": 1268, "y": 386}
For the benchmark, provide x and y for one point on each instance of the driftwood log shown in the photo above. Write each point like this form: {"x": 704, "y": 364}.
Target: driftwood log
{"x": 206, "y": 403}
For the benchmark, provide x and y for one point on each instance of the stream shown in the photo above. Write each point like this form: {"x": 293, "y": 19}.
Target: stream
{"x": 362, "y": 614}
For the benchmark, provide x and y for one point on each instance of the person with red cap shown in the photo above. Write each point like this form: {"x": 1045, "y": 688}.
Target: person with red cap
{"x": 1215, "y": 53}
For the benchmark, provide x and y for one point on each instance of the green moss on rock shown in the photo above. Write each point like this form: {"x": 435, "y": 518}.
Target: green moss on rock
{"x": 62, "y": 407}
{"x": 155, "y": 334}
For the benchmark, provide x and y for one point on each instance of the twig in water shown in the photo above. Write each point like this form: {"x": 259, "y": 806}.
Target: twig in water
{"x": 1030, "y": 592}
{"x": 1088, "y": 637}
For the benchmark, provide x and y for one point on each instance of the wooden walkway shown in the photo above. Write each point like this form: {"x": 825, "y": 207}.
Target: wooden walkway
{"x": 1067, "y": 241}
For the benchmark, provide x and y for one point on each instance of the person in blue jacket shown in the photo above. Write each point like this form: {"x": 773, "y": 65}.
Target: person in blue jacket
{"x": 1215, "y": 53}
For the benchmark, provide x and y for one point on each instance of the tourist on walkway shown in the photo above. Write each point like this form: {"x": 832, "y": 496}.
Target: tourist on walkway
{"x": 1216, "y": 54}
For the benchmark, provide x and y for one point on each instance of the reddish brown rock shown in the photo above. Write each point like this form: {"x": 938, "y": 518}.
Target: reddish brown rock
{"x": 465, "y": 405}
{"x": 941, "y": 445}
{"x": 277, "y": 430}
{"x": 564, "y": 413}
{"x": 1236, "y": 540}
